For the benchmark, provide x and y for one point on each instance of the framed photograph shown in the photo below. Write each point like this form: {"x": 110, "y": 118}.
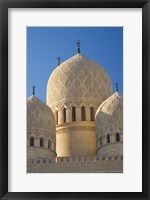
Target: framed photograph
{"x": 74, "y": 99}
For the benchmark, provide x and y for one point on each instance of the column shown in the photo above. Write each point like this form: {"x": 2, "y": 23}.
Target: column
{"x": 87, "y": 114}
{"x": 69, "y": 114}
{"x": 113, "y": 138}
{"x": 36, "y": 142}
{"x": 45, "y": 143}
{"x": 60, "y": 117}
{"x": 104, "y": 140}
{"x": 56, "y": 116}
{"x": 78, "y": 114}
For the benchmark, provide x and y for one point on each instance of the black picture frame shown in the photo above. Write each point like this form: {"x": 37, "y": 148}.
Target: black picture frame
{"x": 4, "y": 6}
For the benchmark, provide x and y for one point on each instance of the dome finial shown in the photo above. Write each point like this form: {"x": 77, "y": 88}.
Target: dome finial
{"x": 78, "y": 44}
{"x": 58, "y": 58}
{"x": 33, "y": 90}
{"x": 116, "y": 84}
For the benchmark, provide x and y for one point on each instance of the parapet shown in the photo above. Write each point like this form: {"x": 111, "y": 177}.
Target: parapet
{"x": 87, "y": 164}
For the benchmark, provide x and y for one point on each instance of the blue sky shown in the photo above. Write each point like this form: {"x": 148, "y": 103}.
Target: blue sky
{"x": 103, "y": 45}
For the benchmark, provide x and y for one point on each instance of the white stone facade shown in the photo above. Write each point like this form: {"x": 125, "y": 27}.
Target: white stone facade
{"x": 75, "y": 90}
{"x": 82, "y": 126}
{"x": 41, "y": 130}
{"x": 75, "y": 165}
{"x": 109, "y": 126}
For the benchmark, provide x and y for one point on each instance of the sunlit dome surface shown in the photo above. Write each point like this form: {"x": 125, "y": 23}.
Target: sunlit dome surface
{"x": 109, "y": 116}
{"x": 39, "y": 116}
{"x": 78, "y": 78}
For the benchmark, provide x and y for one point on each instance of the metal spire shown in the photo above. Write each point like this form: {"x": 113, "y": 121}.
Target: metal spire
{"x": 58, "y": 58}
{"x": 78, "y": 44}
{"x": 33, "y": 90}
{"x": 116, "y": 84}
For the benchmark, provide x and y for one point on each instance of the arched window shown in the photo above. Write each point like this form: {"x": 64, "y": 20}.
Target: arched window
{"x": 41, "y": 142}
{"x": 108, "y": 138}
{"x": 32, "y": 141}
{"x": 49, "y": 144}
{"x": 56, "y": 115}
{"x": 83, "y": 113}
{"x": 117, "y": 137}
{"x": 100, "y": 140}
{"x": 73, "y": 113}
{"x": 92, "y": 113}
{"x": 64, "y": 113}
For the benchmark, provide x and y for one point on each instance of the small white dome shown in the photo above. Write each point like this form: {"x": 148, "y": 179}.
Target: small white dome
{"x": 41, "y": 135}
{"x": 109, "y": 116}
{"x": 39, "y": 116}
{"x": 109, "y": 127}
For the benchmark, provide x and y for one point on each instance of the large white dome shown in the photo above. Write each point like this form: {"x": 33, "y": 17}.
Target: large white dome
{"x": 76, "y": 80}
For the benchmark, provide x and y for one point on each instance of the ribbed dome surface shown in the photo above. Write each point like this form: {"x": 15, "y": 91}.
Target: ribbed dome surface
{"x": 109, "y": 116}
{"x": 78, "y": 78}
{"x": 39, "y": 116}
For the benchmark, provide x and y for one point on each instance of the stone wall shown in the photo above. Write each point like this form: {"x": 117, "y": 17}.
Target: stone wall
{"x": 75, "y": 165}
{"x": 111, "y": 149}
{"x": 76, "y": 139}
{"x": 35, "y": 152}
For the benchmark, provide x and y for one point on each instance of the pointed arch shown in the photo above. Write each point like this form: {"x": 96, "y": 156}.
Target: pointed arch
{"x": 92, "y": 113}
{"x": 32, "y": 141}
{"x": 41, "y": 142}
{"x": 117, "y": 137}
{"x": 82, "y": 113}
{"x": 108, "y": 138}
{"x": 64, "y": 113}
{"x": 73, "y": 113}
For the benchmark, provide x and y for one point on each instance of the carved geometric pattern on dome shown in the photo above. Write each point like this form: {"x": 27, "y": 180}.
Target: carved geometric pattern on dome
{"x": 78, "y": 77}
{"x": 39, "y": 116}
{"x": 109, "y": 115}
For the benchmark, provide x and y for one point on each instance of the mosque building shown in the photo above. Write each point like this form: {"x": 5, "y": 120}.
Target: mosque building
{"x": 80, "y": 128}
